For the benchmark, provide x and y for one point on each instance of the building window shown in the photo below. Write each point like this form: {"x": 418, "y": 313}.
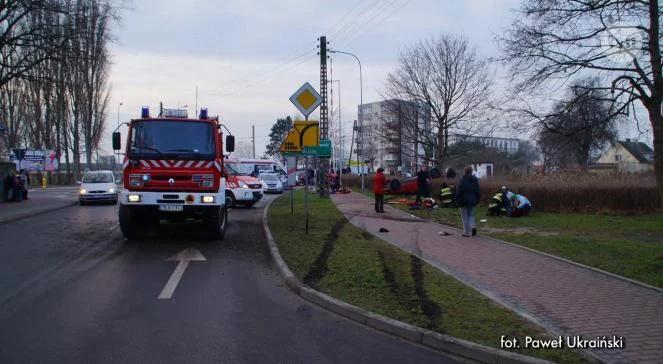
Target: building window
{"x": 618, "y": 157}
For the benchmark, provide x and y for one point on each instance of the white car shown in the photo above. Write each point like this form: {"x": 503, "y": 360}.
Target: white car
{"x": 271, "y": 183}
{"x": 98, "y": 186}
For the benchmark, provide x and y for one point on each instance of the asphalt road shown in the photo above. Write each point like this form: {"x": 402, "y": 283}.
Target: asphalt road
{"x": 73, "y": 290}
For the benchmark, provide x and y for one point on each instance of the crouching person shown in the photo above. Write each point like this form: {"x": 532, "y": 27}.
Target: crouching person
{"x": 520, "y": 205}
{"x": 496, "y": 207}
{"x": 447, "y": 196}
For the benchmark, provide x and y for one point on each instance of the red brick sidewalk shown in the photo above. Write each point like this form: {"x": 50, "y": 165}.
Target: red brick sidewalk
{"x": 563, "y": 297}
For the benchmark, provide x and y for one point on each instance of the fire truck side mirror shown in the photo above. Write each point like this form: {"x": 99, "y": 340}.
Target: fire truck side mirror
{"x": 117, "y": 141}
{"x": 230, "y": 143}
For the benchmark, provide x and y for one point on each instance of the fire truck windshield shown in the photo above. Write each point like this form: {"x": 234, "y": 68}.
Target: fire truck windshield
{"x": 173, "y": 139}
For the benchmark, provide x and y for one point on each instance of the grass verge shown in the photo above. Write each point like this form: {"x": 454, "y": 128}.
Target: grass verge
{"x": 627, "y": 245}
{"x": 350, "y": 264}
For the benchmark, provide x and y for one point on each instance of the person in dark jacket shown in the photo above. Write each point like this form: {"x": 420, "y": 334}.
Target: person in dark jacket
{"x": 467, "y": 197}
{"x": 9, "y": 186}
{"x": 379, "y": 181}
{"x": 423, "y": 180}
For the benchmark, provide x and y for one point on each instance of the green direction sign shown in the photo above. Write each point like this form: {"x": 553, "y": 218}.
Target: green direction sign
{"x": 322, "y": 150}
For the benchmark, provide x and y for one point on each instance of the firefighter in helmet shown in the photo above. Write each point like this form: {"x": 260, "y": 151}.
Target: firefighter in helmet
{"x": 447, "y": 195}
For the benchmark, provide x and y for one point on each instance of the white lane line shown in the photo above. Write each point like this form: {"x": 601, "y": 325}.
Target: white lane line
{"x": 169, "y": 288}
{"x": 183, "y": 257}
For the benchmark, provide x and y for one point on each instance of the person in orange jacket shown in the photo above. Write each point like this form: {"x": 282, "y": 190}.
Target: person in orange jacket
{"x": 379, "y": 181}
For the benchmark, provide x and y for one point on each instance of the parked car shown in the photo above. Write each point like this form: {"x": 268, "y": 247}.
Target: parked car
{"x": 98, "y": 186}
{"x": 271, "y": 183}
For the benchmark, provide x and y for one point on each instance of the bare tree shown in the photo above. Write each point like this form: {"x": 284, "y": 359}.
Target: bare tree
{"x": 26, "y": 35}
{"x": 243, "y": 150}
{"x": 446, "y": 75}
{"x": 582, "y": 123}
{"x": 617, "y": 40}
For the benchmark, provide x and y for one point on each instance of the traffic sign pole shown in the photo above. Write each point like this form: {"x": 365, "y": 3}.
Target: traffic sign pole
{"x": 306, "y": 198}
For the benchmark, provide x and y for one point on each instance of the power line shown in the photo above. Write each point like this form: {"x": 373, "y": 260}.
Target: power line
{"x": 357, "y": 19}
{"x": 267, "y": 76}
{"x": 380, "y": 21}
{"x": 352, "y": 33}
{"x": 343, "y": 19}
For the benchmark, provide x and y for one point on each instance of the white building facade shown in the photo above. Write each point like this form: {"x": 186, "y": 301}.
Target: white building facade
{"x": 507, "y": 145}
{"x": 392, "y": 134}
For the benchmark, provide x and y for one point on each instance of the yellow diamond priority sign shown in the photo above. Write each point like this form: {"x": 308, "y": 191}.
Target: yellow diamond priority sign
{"x": 306, "y": 99}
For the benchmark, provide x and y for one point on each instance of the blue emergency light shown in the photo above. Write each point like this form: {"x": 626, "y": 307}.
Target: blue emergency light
{"x": 203, "y": 113}
{"x": 145, "y": 112}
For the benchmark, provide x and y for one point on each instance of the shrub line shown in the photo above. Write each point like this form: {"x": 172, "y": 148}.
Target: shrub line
{"x": 428, "y": 338}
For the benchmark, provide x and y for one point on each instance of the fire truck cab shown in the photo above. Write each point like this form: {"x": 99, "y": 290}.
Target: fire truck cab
{"x": 173, "y": 170}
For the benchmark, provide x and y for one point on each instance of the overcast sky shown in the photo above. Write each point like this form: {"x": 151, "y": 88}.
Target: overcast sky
{"x": 247, "y": 57}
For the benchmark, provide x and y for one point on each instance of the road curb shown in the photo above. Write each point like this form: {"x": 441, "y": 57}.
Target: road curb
{"x": 431, "y": 339}
{"x": 35, "y": 213}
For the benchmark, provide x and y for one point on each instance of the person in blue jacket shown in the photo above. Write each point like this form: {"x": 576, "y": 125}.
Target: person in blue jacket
{"x": 467, "y": 197}
{"x": 520, "y": 206}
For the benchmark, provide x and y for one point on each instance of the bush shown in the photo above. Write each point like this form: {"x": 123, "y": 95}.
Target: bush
{"x": 565, "y": 192}
{"x": 581, "y": 192}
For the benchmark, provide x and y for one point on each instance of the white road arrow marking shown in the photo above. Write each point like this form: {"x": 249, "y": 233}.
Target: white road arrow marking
{"x": 183, "y": 257}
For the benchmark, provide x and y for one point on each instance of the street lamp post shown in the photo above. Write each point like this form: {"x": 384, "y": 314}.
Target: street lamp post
{"x": 361, "y": 119}
{"x": 340, "y": 134}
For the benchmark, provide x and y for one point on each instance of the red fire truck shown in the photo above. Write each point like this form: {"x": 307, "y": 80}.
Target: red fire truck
{"x": 174, "y": 170}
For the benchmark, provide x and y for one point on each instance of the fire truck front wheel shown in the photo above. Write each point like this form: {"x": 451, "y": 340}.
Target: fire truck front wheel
{"x": 129, "y": 223}
{"x": 216, "y": 223}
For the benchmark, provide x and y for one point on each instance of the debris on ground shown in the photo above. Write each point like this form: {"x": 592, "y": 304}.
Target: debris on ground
{"x": 383, "y": 230}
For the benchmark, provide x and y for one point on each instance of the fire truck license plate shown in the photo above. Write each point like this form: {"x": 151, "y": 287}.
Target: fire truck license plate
{"x": 173, "y": 208}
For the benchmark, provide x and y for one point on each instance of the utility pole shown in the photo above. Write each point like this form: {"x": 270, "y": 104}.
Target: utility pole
{"x": 253, "y": 139}
{"x": 196, "y": 99}
{"x": 324, "y": 121}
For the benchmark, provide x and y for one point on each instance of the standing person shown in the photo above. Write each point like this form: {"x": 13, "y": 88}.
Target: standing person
{"x": 9, "y": 186}
{"x": 17, "y": 187}
{"x": 423, "y": 180}
{"x": 379, "y": 181}
{"x": 468, "y": 197}
{"x": 25, "y": 182}
{"x": 506, "y": 194}
{"x": 311, "y": 176}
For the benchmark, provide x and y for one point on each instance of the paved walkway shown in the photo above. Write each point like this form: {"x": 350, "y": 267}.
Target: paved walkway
{"x": 39, "y": 201}
{"x": 563, "y": 297}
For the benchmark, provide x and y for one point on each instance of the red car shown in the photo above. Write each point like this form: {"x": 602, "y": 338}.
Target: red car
{"x": 407, "y": 185}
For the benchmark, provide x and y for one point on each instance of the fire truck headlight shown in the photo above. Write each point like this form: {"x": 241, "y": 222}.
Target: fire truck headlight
{"x": 82, "y": 191}
{"x": 242, "y": 184}
{"x": 111, "y": 190}
{"x": 133, "y": 198}
{"x": 207, "y": 199}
